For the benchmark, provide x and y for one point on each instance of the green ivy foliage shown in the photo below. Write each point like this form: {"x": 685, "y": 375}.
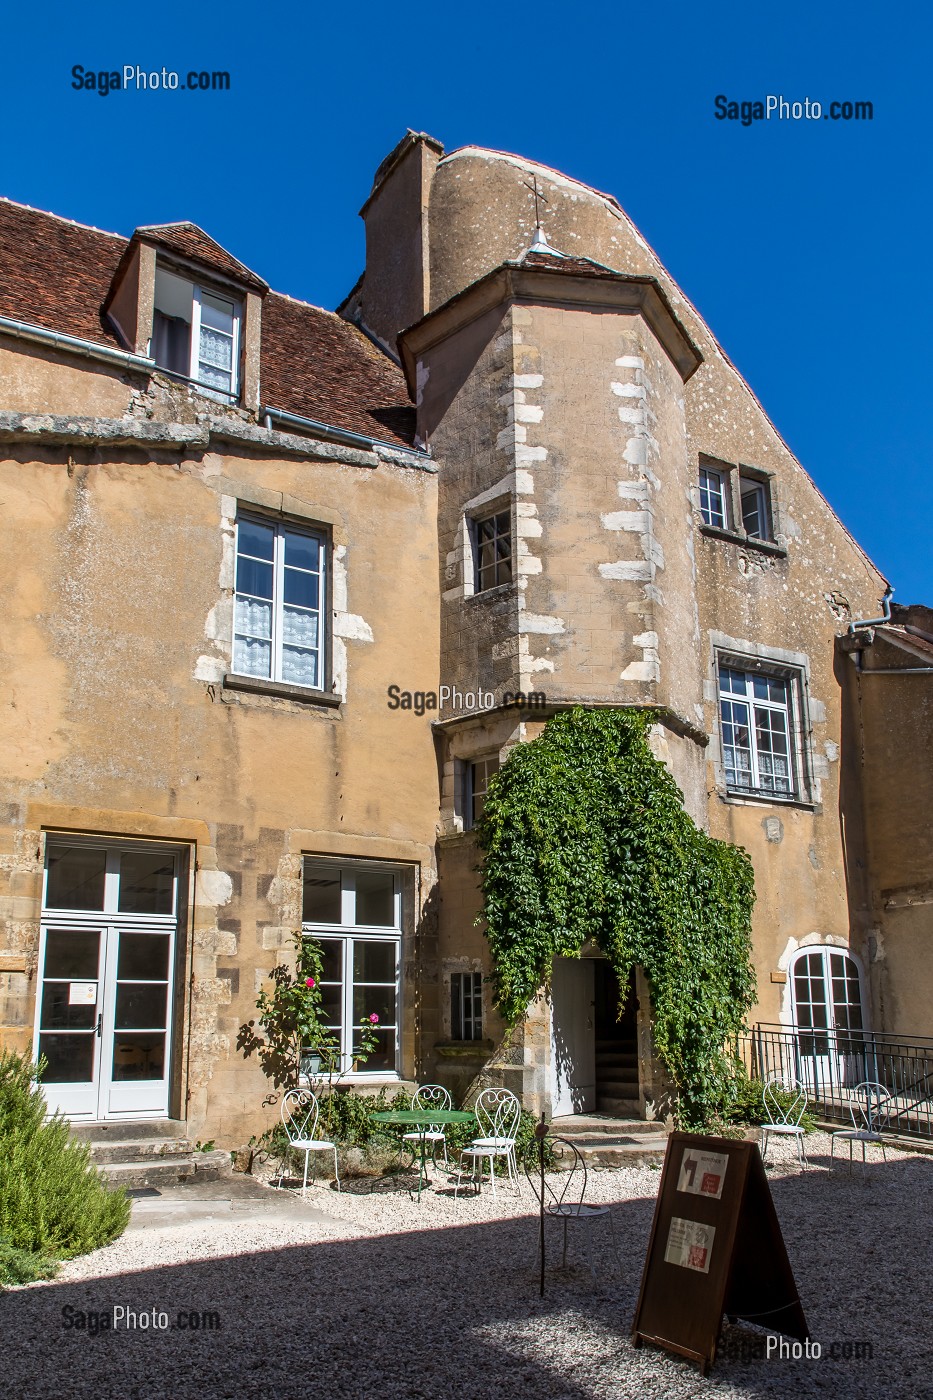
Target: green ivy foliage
{"x": 586, "y": 840}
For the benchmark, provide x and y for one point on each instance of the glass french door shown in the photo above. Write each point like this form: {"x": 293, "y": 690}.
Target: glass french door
{"x": 103, "y": 1012}
{"x": 828, "y": 1018}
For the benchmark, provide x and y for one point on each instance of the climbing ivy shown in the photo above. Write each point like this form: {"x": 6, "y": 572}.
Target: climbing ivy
{"x": 586, "y": 840}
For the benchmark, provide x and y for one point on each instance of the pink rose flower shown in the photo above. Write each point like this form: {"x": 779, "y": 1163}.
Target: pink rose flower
{"x": 374, "y": 1018}
{"x": 309, "y": 981}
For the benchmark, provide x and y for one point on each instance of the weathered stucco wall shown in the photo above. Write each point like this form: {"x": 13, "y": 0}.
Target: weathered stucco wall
{"x": 117, "y": 573}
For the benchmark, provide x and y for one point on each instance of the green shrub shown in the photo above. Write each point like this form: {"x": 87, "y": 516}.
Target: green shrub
{"x": 21, "y": 1266}
{"x": 53, "y": 1203}
{"x": 346, "y": 1118}
{"x": 747, "y": 1105}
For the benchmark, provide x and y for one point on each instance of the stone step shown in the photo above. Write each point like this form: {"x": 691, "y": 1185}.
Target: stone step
{"x": 172, "y": 1171}
{"x": 616, "y": 1088}
{"x": 622, "y": 1047}
{"x": 617, "y": 1107}
{"x": 587, "y": 1124}
{"x": 107, "y": 1153}
{"x": 122, "y": 1130}
{"x": 640, "y": 1151}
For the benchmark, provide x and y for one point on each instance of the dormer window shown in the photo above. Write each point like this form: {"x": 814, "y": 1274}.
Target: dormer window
{"x": 196, "y": 333}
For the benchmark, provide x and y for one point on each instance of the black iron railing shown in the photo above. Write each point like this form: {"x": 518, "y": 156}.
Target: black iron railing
{"x": 829, "y": 1064}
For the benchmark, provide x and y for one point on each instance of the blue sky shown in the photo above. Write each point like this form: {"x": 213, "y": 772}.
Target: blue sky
{"x": 804, "y": 244}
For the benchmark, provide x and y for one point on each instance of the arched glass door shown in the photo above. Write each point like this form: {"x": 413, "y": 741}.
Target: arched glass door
{"x": 828, "y": 1018}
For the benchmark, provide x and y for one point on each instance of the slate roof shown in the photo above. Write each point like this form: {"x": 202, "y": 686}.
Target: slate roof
{"x": 56, "y": 274}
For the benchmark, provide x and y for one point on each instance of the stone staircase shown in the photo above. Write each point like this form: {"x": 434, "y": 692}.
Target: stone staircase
{"x": 617, "y": 1078}
{"x": 150, "y": 1155}
{"x": 604, "y": 1141}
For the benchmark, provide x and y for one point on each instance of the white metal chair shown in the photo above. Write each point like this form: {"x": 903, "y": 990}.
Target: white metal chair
{"x": 430, "y": 1096}
{"x": 567, "y": 1205}
{"x": 498, "y": 1113}
{"x": 866, "y": 1107}
{"x": 785, "y": 1100}
{"x": 300, "y": 1114}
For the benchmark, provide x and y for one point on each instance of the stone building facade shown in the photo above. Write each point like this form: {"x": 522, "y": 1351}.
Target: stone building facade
{"x": 274, "y": 576}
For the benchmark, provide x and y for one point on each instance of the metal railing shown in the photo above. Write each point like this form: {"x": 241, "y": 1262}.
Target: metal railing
{"x": 829, "y": 1064}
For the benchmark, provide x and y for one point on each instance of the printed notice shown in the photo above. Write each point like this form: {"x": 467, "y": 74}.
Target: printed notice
{"x": 702, "y": 1173}
{"x": 690, "y": 1245}
{"x": 82, "y": 993}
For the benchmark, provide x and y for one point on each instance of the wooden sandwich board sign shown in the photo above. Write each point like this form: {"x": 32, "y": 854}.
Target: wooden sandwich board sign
{"x": 716, "y": 1247}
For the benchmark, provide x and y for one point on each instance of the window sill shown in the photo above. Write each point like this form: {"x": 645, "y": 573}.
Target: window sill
{"x": 747, "y": 541}
{"x": 501, "y": 590}
{"x": 305, "y": 695}
{"x": 463, "y": 1049}
{"x": 768, "y": 799}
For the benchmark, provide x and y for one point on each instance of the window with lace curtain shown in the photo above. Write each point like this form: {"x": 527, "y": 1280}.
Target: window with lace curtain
{"x": 279, "y": 612}
{"x": 196, "y": 333}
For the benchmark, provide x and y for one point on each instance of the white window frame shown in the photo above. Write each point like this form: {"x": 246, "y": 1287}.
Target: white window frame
{"x": 714, "y": 484}
{"x": 470, "y": 792}
{"x": 348, "y": 932}
{"x": 198, "y": 292}
{"x": 281, "y": 529}
{"x": 790, "y": 709}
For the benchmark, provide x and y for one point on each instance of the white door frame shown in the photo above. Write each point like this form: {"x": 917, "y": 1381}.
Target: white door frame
{"x": 827, "y": 1069}
{"x": 104, "y": 1096}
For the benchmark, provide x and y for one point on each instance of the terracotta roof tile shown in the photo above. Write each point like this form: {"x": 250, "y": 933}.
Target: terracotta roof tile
{"x": 57, "y": 274}
{"x": 319, "y": 366}
{"x": 192, "y": 242}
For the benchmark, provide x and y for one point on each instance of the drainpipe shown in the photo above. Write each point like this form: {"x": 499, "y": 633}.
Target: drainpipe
{"x": 58, "y": 340}
{"x": 876, "y": 621}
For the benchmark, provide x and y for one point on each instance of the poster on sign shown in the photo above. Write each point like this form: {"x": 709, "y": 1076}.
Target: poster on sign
{"x": 689, "y": 1244}
{"x": 703, "y": 1173}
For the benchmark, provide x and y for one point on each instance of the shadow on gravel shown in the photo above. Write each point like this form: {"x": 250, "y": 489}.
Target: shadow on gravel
{"x": 437, "y": 1313}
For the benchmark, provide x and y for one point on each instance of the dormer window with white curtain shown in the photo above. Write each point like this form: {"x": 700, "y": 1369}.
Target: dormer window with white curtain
{"x": 196, "y": 333}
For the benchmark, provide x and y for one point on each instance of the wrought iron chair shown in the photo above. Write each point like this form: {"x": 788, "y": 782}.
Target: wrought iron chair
{"x": 784, "y": 1117}
{"x": 300, "y": 1114}
{"x": 430, "y": 1096}
{"x": 867, "y": 1105}
{"x": 498, "y": 1113}
{"x": 567, "y": 1204}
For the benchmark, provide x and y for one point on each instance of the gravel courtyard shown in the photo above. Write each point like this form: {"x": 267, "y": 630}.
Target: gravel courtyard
{"x": 359, "y": 1295}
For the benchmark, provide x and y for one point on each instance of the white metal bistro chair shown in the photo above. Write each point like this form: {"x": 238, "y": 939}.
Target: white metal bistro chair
{"x": 300, "y": 1114}
{"x": 567, "y": 1204}
{"x": 498, "y": 1113}
{"x": 868, "y": 1109}
{"x": 785, "y": 1100}
{"x": 430, "y": 1096}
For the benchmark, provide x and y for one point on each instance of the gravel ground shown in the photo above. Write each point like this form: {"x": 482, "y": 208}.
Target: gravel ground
{"x": 374, "y": 1295}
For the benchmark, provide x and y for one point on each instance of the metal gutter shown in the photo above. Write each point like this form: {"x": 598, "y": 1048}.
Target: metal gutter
{"x": 344, "y": 435}
{"x": 90, "y": 349}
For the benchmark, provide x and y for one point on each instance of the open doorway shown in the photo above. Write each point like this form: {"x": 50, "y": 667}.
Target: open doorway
{"x": 617, "y": 1087}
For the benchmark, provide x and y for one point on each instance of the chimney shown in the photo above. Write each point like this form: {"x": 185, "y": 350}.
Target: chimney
{"x": 394, "y": 291}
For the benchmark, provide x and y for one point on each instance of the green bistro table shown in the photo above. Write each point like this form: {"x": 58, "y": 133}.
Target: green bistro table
{"x": 425, "y": 1118}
